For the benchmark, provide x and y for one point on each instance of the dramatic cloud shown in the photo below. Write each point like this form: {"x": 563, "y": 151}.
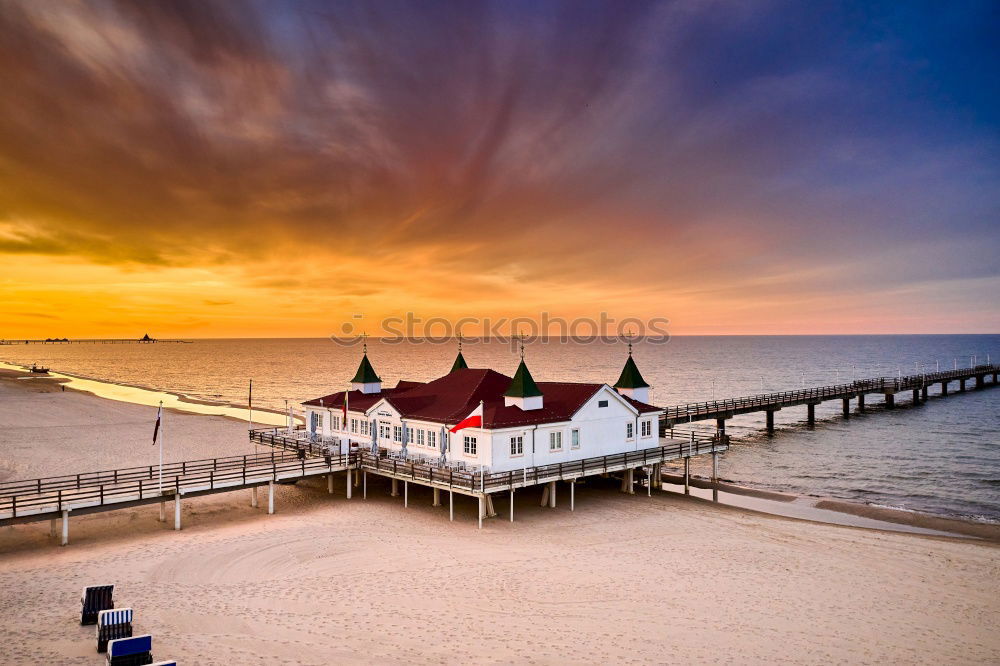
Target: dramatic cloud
{"x": 734, "y": 166}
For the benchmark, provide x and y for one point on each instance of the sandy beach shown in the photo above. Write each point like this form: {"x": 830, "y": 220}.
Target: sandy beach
{"x": 631, "y": 579}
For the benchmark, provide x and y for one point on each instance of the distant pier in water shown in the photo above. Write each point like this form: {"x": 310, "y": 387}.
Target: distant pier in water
{"x": 144, "y": 340}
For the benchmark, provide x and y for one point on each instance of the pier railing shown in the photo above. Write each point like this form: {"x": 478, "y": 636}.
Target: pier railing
{"x": 128, "y": 474}
{"x": 480, "y": 481}
{"x": 872, "y": 385}
{"x": 102, "y": 488}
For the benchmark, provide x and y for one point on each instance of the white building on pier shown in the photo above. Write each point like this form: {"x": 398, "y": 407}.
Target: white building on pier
{"x": 487, "y": 420}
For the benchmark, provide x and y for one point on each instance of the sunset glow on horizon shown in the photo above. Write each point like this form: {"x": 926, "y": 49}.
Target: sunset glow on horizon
{"x": 268, "y": 169}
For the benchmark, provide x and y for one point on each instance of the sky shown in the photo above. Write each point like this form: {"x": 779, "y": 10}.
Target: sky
{"x": 268, "y": 169}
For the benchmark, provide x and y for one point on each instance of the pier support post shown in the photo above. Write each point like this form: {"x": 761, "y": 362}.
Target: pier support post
{"x": 480, "y": 512}
{"x": 720, "y": 426}
{"x": 357, "y": 477}
{"x": 437, "y": 497}
{"x": 490, "y": 511}
{"x": 631, "y": 481}
{"x": 406, "y": 494}
{"x": 395, "y": 488}
{"x": 451, "y": 505}
{"x": 944, "y": 388}
{"x": 890, "y": 401}
{"x": 811, "y": 414}
{"x": 916, "y": 396}
{"x": 861, "y": 403}
{"x": 552, "y": 494}
{"x": 253, "y": 497}
{"x": 847, "y": 408}
{"x": 512, "y": 505}
{"x": 53, "y": 530}
{"x": 545, "y": 495}
{"x": 715, "y": 477}
{"x": 687, "y": 476}
{"x": 364, "y": 485}
{"x": 923, "y": 394}
{"x": 329, "y": 485}
{"x": 65, "y": 528}
{"x": 163, "y": 511}
{"x": 770, "y": 421}
{"x": 270, "y": 497}
{"x": 572, "y": 494}
{"x": 177, "y": 511}
{"x": 961, "y": 385}
{"x": 348, "y": 484}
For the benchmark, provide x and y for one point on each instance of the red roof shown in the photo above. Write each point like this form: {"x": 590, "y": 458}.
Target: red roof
{"x": 451, "y": 398}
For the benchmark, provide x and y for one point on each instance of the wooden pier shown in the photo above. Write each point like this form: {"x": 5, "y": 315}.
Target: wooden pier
{"x": 887, "y": 387}
{"x": 293, "y": 456}
{"x": 55, "y": 498}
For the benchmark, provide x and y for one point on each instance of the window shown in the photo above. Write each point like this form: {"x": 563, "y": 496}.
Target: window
{"x": 647, "y": 428}
{"x": 420, "y": 438}
{"x": 517, "y": 445}
{"x": 397, "y": 433}
{"x": 354, "y": 425}
{"x": 574, "y": 441}
{"x": 432, "y": 439}
{"x": 364, "y": 427}
{"x": 629, "y": 431}
{"x": 555, "y": 441}
{"x": 334, "y": 422}
{"x": 470, "y": 445}
{"x": 602, "y": 403}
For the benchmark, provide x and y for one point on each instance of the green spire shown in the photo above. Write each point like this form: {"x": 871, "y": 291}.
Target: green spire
{"x": 523, "y": 385}
{"x": 631, "y": 378}
{"x": 366, "y": 373}
{"x": 460, "y": 363}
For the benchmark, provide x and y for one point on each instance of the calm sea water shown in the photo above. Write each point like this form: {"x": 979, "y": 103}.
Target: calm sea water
{"x": 942, "y": 457}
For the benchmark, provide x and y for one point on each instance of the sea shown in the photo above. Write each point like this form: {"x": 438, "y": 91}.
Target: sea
{"x": 941, "y": 457}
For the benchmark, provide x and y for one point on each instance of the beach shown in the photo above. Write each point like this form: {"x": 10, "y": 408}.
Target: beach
{"x": 325, "y": 579}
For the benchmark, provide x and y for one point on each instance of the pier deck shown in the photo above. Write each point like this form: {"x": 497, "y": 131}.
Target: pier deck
{"x": 855, "y": 390}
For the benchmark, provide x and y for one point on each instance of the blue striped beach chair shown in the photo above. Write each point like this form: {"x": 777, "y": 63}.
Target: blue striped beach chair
{"x": 112, "y": 624}
{"x": 135, "y": 651}
{"x": 95, "y": 599}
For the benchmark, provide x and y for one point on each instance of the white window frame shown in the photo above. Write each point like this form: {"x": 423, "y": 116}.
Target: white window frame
{"x": 555, "y": 441}
{"x": 354, "y": 425}
{"x": 431, "y": 439}
{"x": 516, "y": 446}
{"x": 420, "y": 437}
{"x": 469, "y": 445}
{"x": 647, "y": 429}
{"x": 629, "y": 431}
{"x": 574, "y": 438}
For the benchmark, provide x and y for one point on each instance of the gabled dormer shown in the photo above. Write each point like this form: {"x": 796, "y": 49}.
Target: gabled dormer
{"x": 365, "y": 379}
{"x": 630, "y": 382}
{"x": 523, "y": 392}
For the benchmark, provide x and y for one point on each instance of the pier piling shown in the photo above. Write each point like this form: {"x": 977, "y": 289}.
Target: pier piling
{"x": 512, "y": 505}
{"x": 451, "y": 505}
{"x": 916, "y": 396}
{"x": 53, "y": 530}
{"x": 177, "y": 511}
{"x": 270, "y": 497}
{"x": 687, "y": 476}
{"x": 437, "y": 497}
{"x": 65, "y": 528}
{"x": 253, "y": 497}
{"x": 329, "y": 485}
{"x": 715, "y": 477}
{"x": 770, "y": 421}
{"x": 944, "y": 388}
{"x": 861, "y": 403}
{"x": 348, "y": 484}
{"x": 811, "y": 414}
{"x": 890, "y": 401}
{"x": 847, "y": 408}
{"x": 572, "y": 494}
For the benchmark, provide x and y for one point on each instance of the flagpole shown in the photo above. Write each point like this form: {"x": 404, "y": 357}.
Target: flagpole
{"x": 163, "y": 515}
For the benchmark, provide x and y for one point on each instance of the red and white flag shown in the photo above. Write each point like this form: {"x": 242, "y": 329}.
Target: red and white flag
{"x": 473, "y": 420}
{"x": 156, "y": 426}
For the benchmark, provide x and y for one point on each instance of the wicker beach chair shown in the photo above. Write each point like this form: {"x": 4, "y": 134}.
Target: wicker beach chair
{"x": 95, "y": 599}
{"x": 113, "y": 624}
{"x": 135, "y": 651}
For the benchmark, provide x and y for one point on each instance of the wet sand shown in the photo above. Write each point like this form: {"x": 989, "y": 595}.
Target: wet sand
{"x": 622, "y": 579}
